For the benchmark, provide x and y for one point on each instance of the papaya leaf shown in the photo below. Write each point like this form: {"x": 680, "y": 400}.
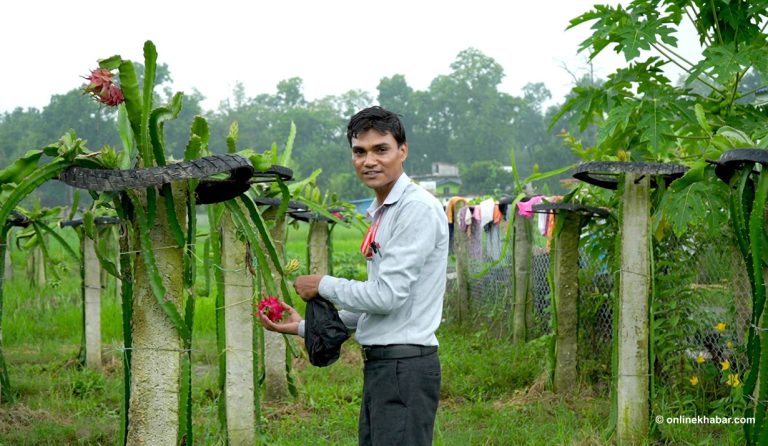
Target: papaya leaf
{"x": 690, "y": 208}
{"x": 652, "y": 124}
{"x": 721, "y": 62}
{"x": 702, "y": 119}
{"x": 728, "y": 137}
{"x": 696, "y": 172}
{"x": 587, "y": 103}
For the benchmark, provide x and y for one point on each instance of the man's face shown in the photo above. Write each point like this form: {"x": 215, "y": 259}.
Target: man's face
{"x": 378, "y": 160}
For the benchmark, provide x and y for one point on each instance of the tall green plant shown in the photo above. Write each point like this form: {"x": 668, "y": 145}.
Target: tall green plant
{"x": 33, "y": 237}
{"x": 642, "y": 115}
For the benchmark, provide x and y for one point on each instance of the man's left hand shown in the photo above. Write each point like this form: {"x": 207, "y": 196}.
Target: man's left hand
{"x": 307, "y": 286}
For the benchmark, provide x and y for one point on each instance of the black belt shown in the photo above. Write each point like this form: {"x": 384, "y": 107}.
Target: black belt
{"x": 396, "y": 351}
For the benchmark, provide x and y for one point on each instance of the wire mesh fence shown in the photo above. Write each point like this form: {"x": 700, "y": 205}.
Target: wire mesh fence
{"x": 700, "y": 312}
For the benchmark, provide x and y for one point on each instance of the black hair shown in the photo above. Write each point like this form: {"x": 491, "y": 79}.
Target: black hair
{"x": 377, "y": 118}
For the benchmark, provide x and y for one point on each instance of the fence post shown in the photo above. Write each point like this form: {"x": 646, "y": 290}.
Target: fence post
{"x": 633, "y": 334}
{"x": 157, "y": 346}
{"x": 461, "y": 251}
{"x": 565, "y": 300}
{"x": 238, "y": 337}
{"x": 319, "y": 237}
{"x": 276, "y": 381}
{"x": 92, "y": 304}
{"x": 522, "y": 266}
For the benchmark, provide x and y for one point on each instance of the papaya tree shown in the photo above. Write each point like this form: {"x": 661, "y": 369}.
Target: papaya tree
{"x": 642, "y": 115}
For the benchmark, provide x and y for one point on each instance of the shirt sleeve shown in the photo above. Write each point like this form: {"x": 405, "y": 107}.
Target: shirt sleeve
{"x": 349, "y": 319}
{"x": 414, "y": 231}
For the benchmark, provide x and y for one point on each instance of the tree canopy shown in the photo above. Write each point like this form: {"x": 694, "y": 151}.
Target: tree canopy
{"x": 461, "y": 118}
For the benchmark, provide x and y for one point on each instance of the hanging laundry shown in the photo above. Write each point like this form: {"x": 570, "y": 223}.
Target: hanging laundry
{"x": 525, "y": 208}
{"x": 541, "y": 223}
{"x": 493, "y": 243}
{"x": 549, "y": 228}
{"x": 496, "y": 214}
{"x": 463, "y": 223}
{"x": 486, "y": 211}
{"x": 468, "y": 216}
{"x": 449, "y": 207}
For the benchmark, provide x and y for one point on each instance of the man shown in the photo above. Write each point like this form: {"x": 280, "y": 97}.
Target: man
{"x": 398, "y": 309}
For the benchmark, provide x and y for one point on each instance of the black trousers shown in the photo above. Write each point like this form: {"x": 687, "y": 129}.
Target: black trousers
{"x": 400, "y": 398}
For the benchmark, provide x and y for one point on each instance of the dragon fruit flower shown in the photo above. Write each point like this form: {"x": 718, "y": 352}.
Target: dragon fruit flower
{"x": 114, "y": 96}
{"x": 102, "y": 87}
{"x": 272, "y": 308}
{"x": 100, "y": 80}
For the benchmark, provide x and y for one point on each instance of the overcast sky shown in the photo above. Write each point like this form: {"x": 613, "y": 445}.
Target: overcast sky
{"x": 333, "y": 45}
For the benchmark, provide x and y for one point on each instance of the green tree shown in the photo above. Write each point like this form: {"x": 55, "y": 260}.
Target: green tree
{"x": 642, "y": 115}
{"x": 485, "y": 178}
{"x": 19, "y": 130}
{"x": 470, "y": 111}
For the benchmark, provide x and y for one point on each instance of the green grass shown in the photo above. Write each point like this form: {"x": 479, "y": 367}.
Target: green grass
{"x": 493, "y": 393}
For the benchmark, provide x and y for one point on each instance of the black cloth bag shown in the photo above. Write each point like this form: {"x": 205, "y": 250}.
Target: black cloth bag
{"x": 324, "y": 332}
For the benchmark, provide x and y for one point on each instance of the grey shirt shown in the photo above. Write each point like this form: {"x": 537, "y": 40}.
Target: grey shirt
{"x": 402, "y": 300}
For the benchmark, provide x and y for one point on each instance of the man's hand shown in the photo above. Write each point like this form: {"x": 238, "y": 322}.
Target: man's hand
{"x": 307, "y": 286}
{"x": 289, "y": 325}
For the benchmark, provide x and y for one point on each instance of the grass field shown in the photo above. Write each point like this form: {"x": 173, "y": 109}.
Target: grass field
{"x": 492, "y": 394}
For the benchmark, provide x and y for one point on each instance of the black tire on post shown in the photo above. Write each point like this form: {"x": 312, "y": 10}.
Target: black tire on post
{"x": 732, "y": 161}
{"x": 209, "y": 190}
{"x": 98, "y": 221}
{"x": 554, "y": 208}
{"x": 604, "y": 173}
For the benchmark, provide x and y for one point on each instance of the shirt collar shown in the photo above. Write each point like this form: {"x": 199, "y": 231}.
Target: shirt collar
{"x": 394, "y": 195}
